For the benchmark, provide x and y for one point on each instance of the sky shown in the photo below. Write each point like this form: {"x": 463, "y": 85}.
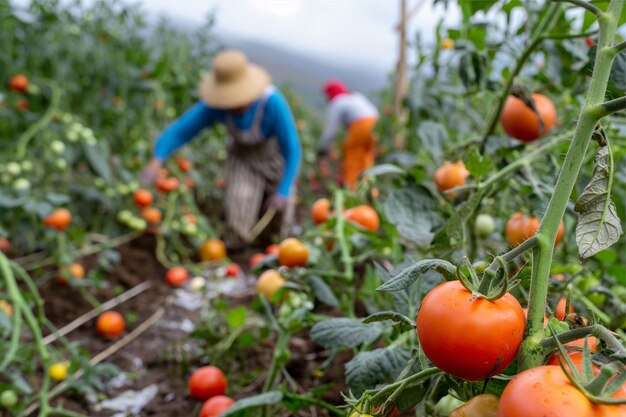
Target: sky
{"x": 361, "y": 31}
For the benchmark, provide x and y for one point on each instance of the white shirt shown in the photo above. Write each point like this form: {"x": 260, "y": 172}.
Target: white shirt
{"x": 344, "y": 110}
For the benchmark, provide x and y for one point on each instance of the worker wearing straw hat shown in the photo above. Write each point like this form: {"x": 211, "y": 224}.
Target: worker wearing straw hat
{"x": 358, "y": 115}
{"x": 264, "y": 149}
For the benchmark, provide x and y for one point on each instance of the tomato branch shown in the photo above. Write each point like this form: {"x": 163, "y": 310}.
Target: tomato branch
{"x": 620, "y": 47}
{"x": 597, "y": 330}
{"x": 581, "y": 3}
{"x": 512, "y": 254}
{"x": 610, "y": 107}
{"x": 571, "y": 35}
{"x": 544, "y": 26}
{"x": 378, "y": 395}
{"x": 530, "y": 355}
{"x": 22, "y": 141}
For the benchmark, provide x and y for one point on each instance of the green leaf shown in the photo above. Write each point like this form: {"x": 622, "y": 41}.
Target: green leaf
{"x": 607, "y": 256}
{"x": 452, "y": 235}
{"x": 618, "y": 71}
{"x": 383, "y": 169}
{"x": 401, "y": 322}
{"x": 40, "y": 208}
{"x": 408, "y": 276}
{"x": 236, "y": 316}
{"x": 9, "y": 202}
{"x": 476, "y": 164}
{"x": 57, "y": 199}
{"x": 98, "y": 156}
{"x": 413, "y": 211}
{"x": 256, "y": 401}
{"x": 322, "y": 291}
{"x": 368, "y": 369}
{"x": 337, "y": 332}
{"x": 433, "y": 136}
{"x": 470, "y": 7}
{"x": 599, "y": 225}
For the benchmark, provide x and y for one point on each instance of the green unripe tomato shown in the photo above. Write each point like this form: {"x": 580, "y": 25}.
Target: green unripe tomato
{"x": 124, "y": 216}
{"x": 60, "y": 164}
{"x": 8, "y": 398}
{"x": 484, "y": 225}
{"x": 72, "y": 136}
{"x": 66, "y": 118}
{"x": 21, "y": 184}
{"x": 189, "y": 229}
{"x": 13, "y": 168}
{"x": 446, "y": 405}
{"x": 137, "y": 224}
{"x": 57, "y": 147}
{"x": 27, "y": 166}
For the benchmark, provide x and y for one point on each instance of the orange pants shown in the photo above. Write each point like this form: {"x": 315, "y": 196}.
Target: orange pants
{"x": 359, "y": 150}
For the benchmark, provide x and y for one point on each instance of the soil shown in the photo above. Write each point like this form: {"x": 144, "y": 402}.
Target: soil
{"x": 166, "y": 353}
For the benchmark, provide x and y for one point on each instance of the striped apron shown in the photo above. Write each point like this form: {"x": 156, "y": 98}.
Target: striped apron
{"x": 254, "y": 167}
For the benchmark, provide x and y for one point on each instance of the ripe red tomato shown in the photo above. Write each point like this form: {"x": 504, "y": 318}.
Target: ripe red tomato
{"x": 560, "y": 309}
{"x": 272, "y": 249}
{"x": 176, "y": 276}
{"x": 255, "y": 259}
{"x": 520, "y": 228}
{"x": 292, "y": 253}
{"x": 207, "y": 382}
{"x": 19, "y": 83}
{"x": 184, "y": 164}
{"x": 451, "y": 175}
{"x": 364, "y": 216}
{"x": 166, "y": 185}
{"x": 110, "y": 324}
{"x": 320, "y": 210}
{"x": 453, "y": 327}
{"x": 543, "y": 391}
{"x": 143, "y": 198}
{"x": 483, "y": 405}
{"x": 59, "y": 219}
{"x": 152, "y": 215}
{"x": 215, "y": 406}
{"x": 232, "y": 270}
{"x": 520, "y": 122}
{"x": 5, "y": 245}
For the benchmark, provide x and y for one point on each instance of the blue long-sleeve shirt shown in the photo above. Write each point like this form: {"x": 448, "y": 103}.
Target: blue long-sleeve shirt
{"x": 277, "y": 122}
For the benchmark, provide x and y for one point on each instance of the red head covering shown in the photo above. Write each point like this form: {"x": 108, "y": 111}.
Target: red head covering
{"x": 334, "y": 88}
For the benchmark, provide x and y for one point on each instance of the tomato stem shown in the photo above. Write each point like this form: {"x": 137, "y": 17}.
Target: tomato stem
{"x": 597, "y": 330}
{"x": 530, "y": 355}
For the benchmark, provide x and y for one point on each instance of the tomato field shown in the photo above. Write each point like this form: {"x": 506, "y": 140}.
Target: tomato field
{"x": 477, "y": 269}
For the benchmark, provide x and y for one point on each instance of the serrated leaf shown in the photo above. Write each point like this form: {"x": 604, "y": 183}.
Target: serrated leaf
{"x": 413, "y": 211}
{"x": 322, "y": 291}
{"x": 383, "y": 169}
{"x": 256, "y": 401}
{"x": 368, "y": 369}
{"x": 598, "y": 226}
{"x": 98, "y": 155}
{"x": 476, "y": 164}
{"x": 408, "y": 276}
{"x": 433, "y": 135}
{"x": 401, "y": 322}
{"x": 343, "y": 332}
{"x": 452, "y": 235}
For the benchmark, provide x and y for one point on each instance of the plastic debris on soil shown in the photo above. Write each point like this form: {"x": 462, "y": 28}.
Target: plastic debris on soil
{"x": 131, "y": 402}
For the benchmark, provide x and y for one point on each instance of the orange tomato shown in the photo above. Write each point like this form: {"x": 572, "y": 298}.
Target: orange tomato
{"x": 272, "y": 249}
{"x": 74, "y": 271}
{"x": 19, "y": 83}
{"x": 292, "y": 253}
{"x": 215, "y": 406}
{"x": 520, "y": 228}
{"x": 143, "y": 197}
{"x": 152, "y": 215}
{"x": 320, "y": 210}
{"x": 59, "y": 219}
{"x": 269, "y": 282}
{"x": 519, "y": 121}
{"x": 184, "y": 164}
{"x": 191, "y": 218}
{"x": 5, "y": 245}
{"x": 166, "y": 185}
{"x": 176, "y": 276}
{"x": 255, "y": 259}
{"x": 110, "y": 324}
{"x": 560, "y": 309}
{"x": 364, "y": 216}
{"x": 212, "y": 250}
{"x": 447, "y": 43}
{"x": 451, "y": 175}
{"x": 6, "y": 307}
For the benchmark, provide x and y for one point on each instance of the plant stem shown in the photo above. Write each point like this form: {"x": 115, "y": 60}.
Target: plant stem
{"x": 610, "y": 107}
{"x": 582, "y": 3}
{"x": 513, "y": 253}
{"x": 531, "y": 352}
{"x": 22, "y": 141}
{"x": 392, "y": 387}
{"x": 571, "y": 35}
{"x": 620, "y": 47}
{"x": 597, "y": 330}
{"x": 544, "y": 26}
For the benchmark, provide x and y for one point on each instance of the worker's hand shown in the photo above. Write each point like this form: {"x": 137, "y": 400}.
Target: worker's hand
{"x": 278, "y": 202}
{"x": 151, "y": 171}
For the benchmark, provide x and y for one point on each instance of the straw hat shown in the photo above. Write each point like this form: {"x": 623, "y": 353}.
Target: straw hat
{"x": 233, "y": 81}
